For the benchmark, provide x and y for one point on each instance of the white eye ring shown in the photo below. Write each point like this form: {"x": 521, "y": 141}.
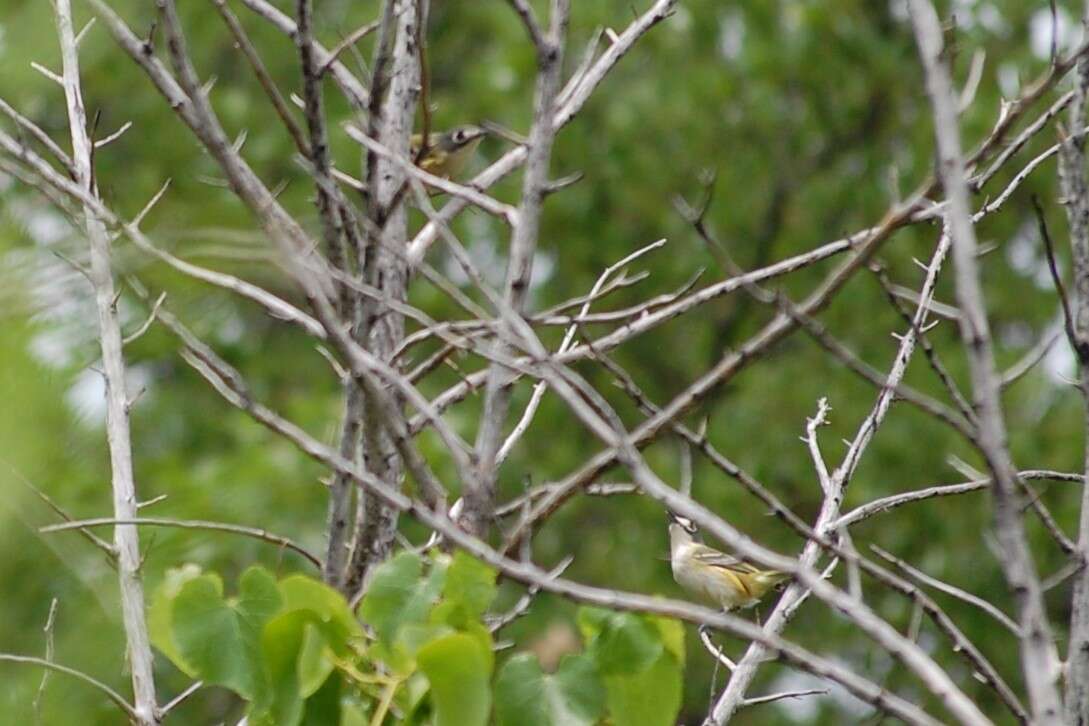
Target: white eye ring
{"x": 459, "y": 135}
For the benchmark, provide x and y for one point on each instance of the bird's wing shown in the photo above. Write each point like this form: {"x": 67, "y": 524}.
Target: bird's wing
{"x": 714, "y": 558}
{"x": 433, "y": 161}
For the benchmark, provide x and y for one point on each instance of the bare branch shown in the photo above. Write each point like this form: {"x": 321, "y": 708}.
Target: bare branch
{"x": 394, "y": 97}
{"x": 98, "y": 685}
{"x": 1034, "y": 355}
{"x": 126, "y": 537}
{"x": 106, "y": 141}
{"x": 263, "y": 77}
{"x": 885, "y": 504}
{"x": 1040, "y": 663}
{"x": 254, "y": 532}
{"x": 569, "y": 336}
{"x": 1069, "y": 323}
{"x": 1075, "y": 191}
{"x": 181, "y": 697}
{"x": 573, "y": 103}
{"x": 948, "y": 589}
{"x": 811, "y": 426}
{"x": 351, "y": 39}
{"x": 353, "y": 90}
{"x": 781, "y": 696}
{"x": 50, "y": 621}
{"x": 529, "y": 19}
{"x": 41, "y": 136}
{"x": 480, "y": 498}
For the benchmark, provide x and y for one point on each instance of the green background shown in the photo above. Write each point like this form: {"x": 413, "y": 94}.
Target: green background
{"x": 811, "y": 115}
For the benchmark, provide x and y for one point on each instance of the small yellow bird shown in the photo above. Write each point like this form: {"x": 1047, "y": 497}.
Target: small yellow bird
{"x": 715, "y": 576}
{"x": 448, "y": 152}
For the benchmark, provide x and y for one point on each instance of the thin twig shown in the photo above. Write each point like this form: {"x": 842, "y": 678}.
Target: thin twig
{"x": 98, "y": 685}
{"x": 948, "y": 589}
{"x": 254, "y": 532}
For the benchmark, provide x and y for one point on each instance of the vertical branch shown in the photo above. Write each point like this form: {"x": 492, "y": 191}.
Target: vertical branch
{"x": 126, "y": 538}
{"x": 339, "y": 520}
{"x": 1075, "y": 193}
{"x": 1039, "y": 659}
{"x": 340, "y": 489}
{"x": 479, "y": 499}
{"x": 332, "y": 232}
{"x": 396, "y": 67}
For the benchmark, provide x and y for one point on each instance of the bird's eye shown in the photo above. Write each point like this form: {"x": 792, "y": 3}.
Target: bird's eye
{"x": 459, "y": 135}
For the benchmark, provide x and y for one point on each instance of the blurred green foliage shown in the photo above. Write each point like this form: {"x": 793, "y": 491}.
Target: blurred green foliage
{"x": 812, "y": 117}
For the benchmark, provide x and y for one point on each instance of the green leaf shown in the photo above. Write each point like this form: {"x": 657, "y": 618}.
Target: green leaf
{"x": 331, "y": 613}
{"x": 354, "y": 713}
{"x": 525, "y": 695}
{"x": 160, "y": 617}
{"x": 400, "y": 594}
{"x": 479, "y": 632}
{"x": 470, "y": 584}
{"x": 649, "y": 698}
{"x": 210, "y": 635}
{"x": 620, "y": 643}
{"x": 313, "y": 665}
{"x": 672, "y": 634}
{"x": 411, "y": 695}
{"x": 400, "y": 656}
{"x": 323, "y": 708}
{"x": 258, "y": 595}
{"x": 282, "y": 641}
{"x": 458, "y": 671}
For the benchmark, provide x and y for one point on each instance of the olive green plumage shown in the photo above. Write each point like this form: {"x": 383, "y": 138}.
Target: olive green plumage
{"x": 448, "y": 152}
{"x": 714, "y": 576}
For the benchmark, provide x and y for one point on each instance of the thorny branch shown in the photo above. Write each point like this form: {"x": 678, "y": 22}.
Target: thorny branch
{"x": 145, "y": 710}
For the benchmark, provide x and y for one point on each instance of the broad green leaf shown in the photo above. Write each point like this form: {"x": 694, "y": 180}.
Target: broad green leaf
{"x": 398, "y": 594}
{"x": 400, "y": 656}
{"x": 314, "y": 665}
{"x": 330, "y": 610}
{"x": 470, "y": 584}
{"x": 414, "y": 636}
{"x": 258, "y": 595}
{"x": 592, "y": 621}
{"x": 258, "y": 601}
{"x": 323, "y": 707}
{"x": 649, "y": 698}
{"x": 526, "y": 696}
{"x": 458, "y": 671}
{"x": 209, "y": 635}
{"x": 160, "y": 617}
{"x": 411, "y": 694}
{"x": 483, "y": 637}
{"x": 620, "y": 643}
{"x": 282, "y": 641}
